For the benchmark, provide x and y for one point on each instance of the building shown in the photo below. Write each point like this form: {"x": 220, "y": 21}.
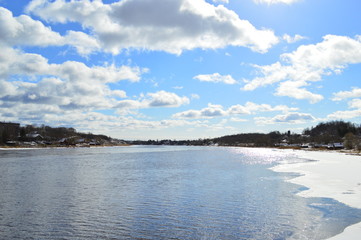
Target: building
{"x": 9, "y": 131}
{"x": 34, "y": 136}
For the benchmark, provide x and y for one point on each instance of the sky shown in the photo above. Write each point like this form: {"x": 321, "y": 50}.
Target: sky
{"x": 180, "y": 69}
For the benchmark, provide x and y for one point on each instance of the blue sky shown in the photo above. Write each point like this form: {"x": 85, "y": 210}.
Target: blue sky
{"x": 180, "y": 69}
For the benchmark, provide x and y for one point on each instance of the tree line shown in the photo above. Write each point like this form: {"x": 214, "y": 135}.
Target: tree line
{"x": 347, "y": 133}
{"x": 323, "y": 133}
{"x": 14, "y": 134}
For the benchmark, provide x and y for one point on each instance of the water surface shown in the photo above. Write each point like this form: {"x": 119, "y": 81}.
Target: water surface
{"x": 145, "y": 192}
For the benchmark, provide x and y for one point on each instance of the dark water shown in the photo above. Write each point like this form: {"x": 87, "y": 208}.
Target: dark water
{"x": 158, "y": 193}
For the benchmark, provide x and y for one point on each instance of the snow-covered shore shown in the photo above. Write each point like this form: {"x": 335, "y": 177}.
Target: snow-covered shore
{"x": 333, "y": 175}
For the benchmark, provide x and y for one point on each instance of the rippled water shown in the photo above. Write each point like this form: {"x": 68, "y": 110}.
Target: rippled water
{"x": 144, "y": 192}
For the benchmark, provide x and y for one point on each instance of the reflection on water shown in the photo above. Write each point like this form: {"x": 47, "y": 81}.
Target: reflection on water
{"x": 158, "y": 193}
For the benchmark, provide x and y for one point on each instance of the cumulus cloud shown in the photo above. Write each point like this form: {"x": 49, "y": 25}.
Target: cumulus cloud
{"x": 290, "y": 39}
{"x": 308, "y": 64}
{"x": 195, "y": 96}
{"x": 119, "y": 93}
{"x": 17, "y": 62}
{"x": 269, "y": 2}
{"x": 220, "y": 1}
{"x": 216, "y": 78}
{"x": 67, "y": 86}
{"x": 295, "y": 89}
{"x": 291, "y": 118}
{"x": 209, "y": 112}
{"x": 234, "y": 119}
{"x": 344, "y": 114}
{"x": 83, "y": 43}
{"x": 354, "y": 93}
{"x": 171, "y": 26}
{"x": 90, "y": 121}
{"x": 165, "y": 99}
{"x": 354, "y": 104}
{"x": 157, "y": 99}
{"x": 213, "y": 111}
{"x": 25, "y": 31}
{"x": 71, "y": 92}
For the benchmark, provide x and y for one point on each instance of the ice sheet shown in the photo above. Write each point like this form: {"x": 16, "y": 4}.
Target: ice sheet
{"x": 334, "y": 175}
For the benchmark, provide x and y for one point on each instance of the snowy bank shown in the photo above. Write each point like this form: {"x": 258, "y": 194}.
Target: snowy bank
{"x": 333, "y": 175}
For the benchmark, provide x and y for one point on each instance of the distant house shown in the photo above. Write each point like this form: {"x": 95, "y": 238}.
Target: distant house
{"x": 335, "y": 146}
{"x": 34, "y": 136}
{"x": 80, "y": 140}
{"x": 306, "y": 145}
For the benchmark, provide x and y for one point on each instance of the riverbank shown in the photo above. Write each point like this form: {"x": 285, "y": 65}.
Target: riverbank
{"x": 332, "y": 175}
{"x": 61, "y": 146}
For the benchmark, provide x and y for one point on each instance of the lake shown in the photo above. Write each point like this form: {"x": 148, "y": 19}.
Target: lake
{"x": 159, "y": 192}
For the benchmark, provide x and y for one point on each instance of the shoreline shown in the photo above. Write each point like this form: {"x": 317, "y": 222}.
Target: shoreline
{"x": 61, "y": 146}
{"x": 332, "y": 174}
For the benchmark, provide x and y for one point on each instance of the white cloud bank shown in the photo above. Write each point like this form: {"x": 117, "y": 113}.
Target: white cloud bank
{"x": 213, "y": 111}
{"x": 308, "y": 64}
{"x": 157, "y": 99}
{"x": 216, "y": 78}
{"x": 62, "y": 93}
{"x": 24, "y": 31}
{"x": 354, "y": 104}
{"x": 354, "y": 93}
{"x": 269, "y": 2}
{"x": 220, "y": 1}
{"x": 290, "y": 39}
{"x": 165, "y": 25}
{"x": 290, "y": 118}
{"x": 70, "y": 85}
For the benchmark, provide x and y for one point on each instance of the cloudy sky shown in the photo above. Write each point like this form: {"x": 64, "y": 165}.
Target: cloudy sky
{"x": 180, "y": 69}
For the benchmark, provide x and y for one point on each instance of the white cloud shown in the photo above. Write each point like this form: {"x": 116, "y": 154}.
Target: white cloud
{"x": 253, "y": 108}
{"x": 220, "y": 1}
{"x": 178, "y": 87}
{"x": 157, "y": 99}
{"x": 119, "y": 93}
{"x": 344, "y": 114}
{"x": 166, "y": 99}
{"x": 216, "y": 78}
{"x": 269, "y": 2}
{"x": 69, "y": 94}
{"x": 66, "y": 87}
{"x": 233, "y": 119}
{"x": 209, "y": 112}
{"x": 290, "y": 118}
{"x": 7, "y": 88}
{"x": 309, "y": 63}
{"x": 213, "y": 111}
{"x": 290, "y": 39}
{"x": 295, "y": 89}
{"x": 83, "y": 43}
{"x": 354, "y": 93}
{"x": 354, "y": 104}
{"x": 116, "y": 126}
{"x": 39, "y": 89}
{"x": 19, "y": 63}
{"x": 195, "y": 96}
{"x": 171, "y": 26}
{"x": 24, "y": 31}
